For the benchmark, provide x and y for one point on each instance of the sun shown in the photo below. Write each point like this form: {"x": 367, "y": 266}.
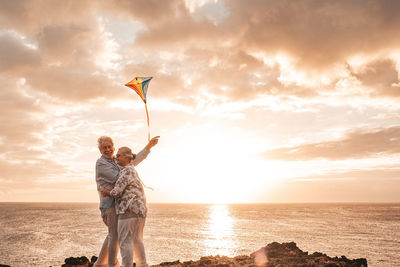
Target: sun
{"x": 218, "y": 167}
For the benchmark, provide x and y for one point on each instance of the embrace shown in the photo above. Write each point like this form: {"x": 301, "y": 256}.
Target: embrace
{"x": 122, "y": 203}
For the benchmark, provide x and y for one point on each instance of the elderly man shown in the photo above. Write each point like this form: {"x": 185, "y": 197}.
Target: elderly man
{"x": 107, "y": 171}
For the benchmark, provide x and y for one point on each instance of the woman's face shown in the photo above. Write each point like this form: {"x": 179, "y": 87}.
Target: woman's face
{"x": 122, "y": 160}
{"x": 107, "y": 149}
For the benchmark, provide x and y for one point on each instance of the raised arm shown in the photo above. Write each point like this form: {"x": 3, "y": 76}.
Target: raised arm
{"x": 145, "y": 151}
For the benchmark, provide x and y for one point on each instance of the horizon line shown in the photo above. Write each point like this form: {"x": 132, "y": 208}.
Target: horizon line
{"x": 210, "y": 203}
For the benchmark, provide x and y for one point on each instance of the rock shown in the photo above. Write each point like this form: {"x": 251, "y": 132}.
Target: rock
{"x": 272, "y": 255}
{"x": 93, "y": 259}
{"x": 170, "y": 263}
{"x": 79, "y": 262}
{"x": 288, "y": 254}
{"x": 215, "y": 261}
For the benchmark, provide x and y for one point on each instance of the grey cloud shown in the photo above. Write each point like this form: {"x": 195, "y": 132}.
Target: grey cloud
{"x": 63, "y": 64}
{"x": 242, "y": 75}
{"x": 380, "y": 76}
{"x": 30, "y": 17}
{"x": 71, "y": 84}
{"x": 63, "y": 41}
{"x": 65, "y": 32}
{"x": 180, "y": 33}
{"x": 15, "y": 55}
{"x": 319, "y": 33}
{"x": 151, "y": 12}
{"x": 356, "y": 144}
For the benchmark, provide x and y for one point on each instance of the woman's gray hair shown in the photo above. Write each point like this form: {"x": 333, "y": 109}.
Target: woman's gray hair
{"x": 127, "y": 152}
{"x": 103, "y": 139}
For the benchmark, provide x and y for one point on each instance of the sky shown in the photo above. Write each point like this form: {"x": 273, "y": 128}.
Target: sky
{"x": 254, "y": 101}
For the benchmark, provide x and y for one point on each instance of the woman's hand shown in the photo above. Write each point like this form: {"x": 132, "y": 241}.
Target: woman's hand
{"x": 105, "y": 192}
{"x": 153, "y": 142}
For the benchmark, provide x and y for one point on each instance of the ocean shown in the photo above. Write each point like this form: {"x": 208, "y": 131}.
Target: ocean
{"x": 44, "y": 234}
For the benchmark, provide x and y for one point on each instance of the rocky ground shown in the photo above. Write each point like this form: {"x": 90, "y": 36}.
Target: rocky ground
{"x": 272, "y": 255}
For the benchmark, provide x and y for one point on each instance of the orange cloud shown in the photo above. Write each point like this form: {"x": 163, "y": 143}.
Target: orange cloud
{"x": 356, "y": 144}
{"x": 380, "y": 76}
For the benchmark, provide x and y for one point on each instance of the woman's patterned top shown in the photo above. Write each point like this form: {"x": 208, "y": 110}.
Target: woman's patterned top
{"x": 129, "y": 193}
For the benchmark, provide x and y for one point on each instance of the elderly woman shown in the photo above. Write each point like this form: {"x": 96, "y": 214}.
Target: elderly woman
{"x": 107, "y": 171}
{"x": 131, "y": 210}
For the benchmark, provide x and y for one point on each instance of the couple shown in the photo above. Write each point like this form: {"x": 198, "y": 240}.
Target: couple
{"x": 122, "y": 203}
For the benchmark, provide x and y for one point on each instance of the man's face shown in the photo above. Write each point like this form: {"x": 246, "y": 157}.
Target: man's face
{"x": 107, "y": 149}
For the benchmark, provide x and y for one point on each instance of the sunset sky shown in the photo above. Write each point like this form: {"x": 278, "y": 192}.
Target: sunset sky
{"x": 255, "y": 101}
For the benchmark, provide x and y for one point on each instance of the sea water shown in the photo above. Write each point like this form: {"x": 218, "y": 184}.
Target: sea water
{"x": 44, "y": 234}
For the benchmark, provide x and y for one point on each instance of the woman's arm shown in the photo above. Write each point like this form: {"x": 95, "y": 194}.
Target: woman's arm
{"x": 121, "y": 183}
{"x": 145, "y": 151}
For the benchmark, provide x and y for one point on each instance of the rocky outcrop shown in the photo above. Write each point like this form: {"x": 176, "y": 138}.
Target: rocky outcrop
{"x": 272, "y": 255}
{"x": 216, "y": 261}
{"x": 79, "y": 262}
{"x": 288, "y": 254}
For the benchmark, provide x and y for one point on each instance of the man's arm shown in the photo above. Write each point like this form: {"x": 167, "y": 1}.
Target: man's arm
{"x": 106, "y": 174}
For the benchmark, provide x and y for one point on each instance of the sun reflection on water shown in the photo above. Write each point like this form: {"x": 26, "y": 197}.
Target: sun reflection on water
{"x": 220, "y": 237}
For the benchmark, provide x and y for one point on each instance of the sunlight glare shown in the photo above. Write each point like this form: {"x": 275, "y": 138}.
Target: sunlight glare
{"x": 220, "y": 236}
{"x": 219, "y": 165}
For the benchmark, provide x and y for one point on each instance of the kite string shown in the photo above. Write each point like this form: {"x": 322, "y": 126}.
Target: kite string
{"x": 148, "y": 123}
{"x": 148, "y": 136}
{"x": 148, "y": 187}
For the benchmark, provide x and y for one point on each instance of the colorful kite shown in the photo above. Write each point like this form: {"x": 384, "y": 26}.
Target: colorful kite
{"x": 140, "y": 85}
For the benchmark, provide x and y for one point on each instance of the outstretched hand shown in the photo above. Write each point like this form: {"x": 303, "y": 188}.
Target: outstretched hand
{"x": 153, "y": 141}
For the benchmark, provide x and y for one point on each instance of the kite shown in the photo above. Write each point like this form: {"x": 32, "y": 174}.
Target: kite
{"x": 140, "y": 85}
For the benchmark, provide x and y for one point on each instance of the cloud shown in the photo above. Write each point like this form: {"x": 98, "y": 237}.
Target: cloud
{"x": 37, "y": 169}
{"x": 349, "y": 187}
{"x": 61, "y": 55}
{"x": 203, "y": 55}
{"x": 316, "y": 38}
{"x": 16, "y": 55}
{"x": 17, "y": 115}
{"x": 381, "y": 76}
{"x": 356, "y": 144}
{"x": 318, "y": 33}
{"x": 61, "y": 42}
{"x": 63, "y": 67}
{"x": 383, "y": 172}
{"x": 70, "y": 84}
{"x": 150, "y": 12}
{"x": 31, "y": 16}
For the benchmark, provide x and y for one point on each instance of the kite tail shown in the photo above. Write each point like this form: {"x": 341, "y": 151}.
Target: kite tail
{"x": 148, "y": 123}
{"x": 148, "y": 187}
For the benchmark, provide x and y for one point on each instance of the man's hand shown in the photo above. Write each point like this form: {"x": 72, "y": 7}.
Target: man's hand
{"x": 105, "y": 192}
{"x": 153, "y": 142}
